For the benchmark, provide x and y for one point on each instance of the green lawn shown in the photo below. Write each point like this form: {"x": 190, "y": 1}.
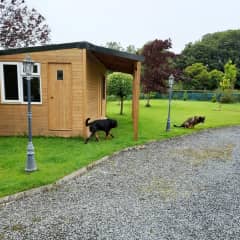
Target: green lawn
{"x": 57, "y": 157}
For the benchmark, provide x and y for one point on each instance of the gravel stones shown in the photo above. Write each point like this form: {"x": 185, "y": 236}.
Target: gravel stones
{"x": 183, "y": 188}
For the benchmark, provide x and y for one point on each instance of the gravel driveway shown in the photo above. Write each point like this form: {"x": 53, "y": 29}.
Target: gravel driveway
{"x": 183, "y": 188}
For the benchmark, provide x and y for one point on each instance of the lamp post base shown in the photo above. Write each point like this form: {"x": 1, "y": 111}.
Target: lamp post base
{"x": 30, "y": 164}
{"x": 168, "y": 126}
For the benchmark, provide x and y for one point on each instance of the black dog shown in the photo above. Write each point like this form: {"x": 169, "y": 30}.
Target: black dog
{"x": 100, "y": 125}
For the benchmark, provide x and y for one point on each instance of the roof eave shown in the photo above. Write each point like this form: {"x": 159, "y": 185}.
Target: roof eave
{"x": 79, "y": 45}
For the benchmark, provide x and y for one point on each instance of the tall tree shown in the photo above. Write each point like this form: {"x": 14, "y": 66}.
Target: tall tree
{"x": 215, "y": 77}
{"x": 197, "y": 77}
{"x": 157, "y": 66}
{"x": 230, "y": 72}
{"x": 20, "y": 26}
{"x": 131, "y": 49}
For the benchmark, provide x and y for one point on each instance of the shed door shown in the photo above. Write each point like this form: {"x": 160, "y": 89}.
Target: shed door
{"x": 59, "y": 95}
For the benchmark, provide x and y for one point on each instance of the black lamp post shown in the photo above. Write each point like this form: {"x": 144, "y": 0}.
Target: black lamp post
{"x": 27, "y": 71}
{"x": 170, "y": 83}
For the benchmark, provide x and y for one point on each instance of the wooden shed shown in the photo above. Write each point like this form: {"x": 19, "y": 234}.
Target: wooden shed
{"x": 68, "y": 85}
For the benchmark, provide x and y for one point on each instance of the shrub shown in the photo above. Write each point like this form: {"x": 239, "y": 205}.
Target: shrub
{"x": 214, "y": 98}
{"x": 185, "y": 96}
{"x": 227, "y": 97}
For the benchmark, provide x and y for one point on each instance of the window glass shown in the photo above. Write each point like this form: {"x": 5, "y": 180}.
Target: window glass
{"x": 59, "y": 74}
{"x": 35, "y": 68}
{"x": 10, "y": 82}
{"x": 103, "y": 88}
{"x": 35, "y": 89}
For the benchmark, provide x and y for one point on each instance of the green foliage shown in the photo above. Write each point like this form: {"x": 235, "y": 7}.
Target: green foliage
{"x": 197, "y": 77}
{"x": 185, "y": 96}
{"x": 214, "y": 98}
{"x": 115, "y": 46}
{"x": 215, "y": 77}
{"x": 230, "y": 72}
{"x": 227, "y": 97}
{"x": 131, "y": 49}
{"x": 225, "y": 83}
{"x": 120, "y": 85}
{"x": 214, "y": 50}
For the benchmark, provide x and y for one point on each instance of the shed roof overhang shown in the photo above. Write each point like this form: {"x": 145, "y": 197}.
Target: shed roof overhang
{"x": 113, "y": 59}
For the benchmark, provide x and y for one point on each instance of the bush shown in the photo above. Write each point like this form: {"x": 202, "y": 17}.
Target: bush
{"x": 227, "y": 97}
{"x": 185, "y": 96}
{"x": 214, "y": 98}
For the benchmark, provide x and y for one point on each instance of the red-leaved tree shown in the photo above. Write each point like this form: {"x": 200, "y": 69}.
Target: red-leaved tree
{"x": 157, "y": 66}
{"x": 21, "y": 27}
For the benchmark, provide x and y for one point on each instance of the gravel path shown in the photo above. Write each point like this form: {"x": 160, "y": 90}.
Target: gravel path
{"x": 183, "y": 188}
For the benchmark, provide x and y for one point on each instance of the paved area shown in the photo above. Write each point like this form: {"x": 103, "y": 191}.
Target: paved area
{"x": 183, "y": 188}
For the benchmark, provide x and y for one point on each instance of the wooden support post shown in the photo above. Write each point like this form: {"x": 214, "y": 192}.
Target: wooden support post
{"x": 135, "y": 98}
{"x": 85, "y": 97}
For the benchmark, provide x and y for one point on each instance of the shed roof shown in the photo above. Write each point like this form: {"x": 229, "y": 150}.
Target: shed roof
{"x": 113, "y": 59}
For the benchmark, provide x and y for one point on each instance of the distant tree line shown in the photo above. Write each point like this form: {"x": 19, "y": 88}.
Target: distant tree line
{"x": 208, "y": 57}
{"x": 117, "y": 46}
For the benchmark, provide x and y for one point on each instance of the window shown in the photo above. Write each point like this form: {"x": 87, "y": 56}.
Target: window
{"x": 35, "y": 90}
{"x": 14, "y": 85}
{"x": 10, "y": 82}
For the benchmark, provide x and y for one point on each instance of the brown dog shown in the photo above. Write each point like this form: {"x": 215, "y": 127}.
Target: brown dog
{"x": 100, "y": 125}
{"x": 191, "y": 122}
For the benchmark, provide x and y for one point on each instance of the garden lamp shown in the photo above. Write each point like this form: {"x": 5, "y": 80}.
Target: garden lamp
{"x": 27, "y": 72}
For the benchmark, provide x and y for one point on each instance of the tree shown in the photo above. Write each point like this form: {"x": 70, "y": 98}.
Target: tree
{"x": 214, "y": 50}
{"x": 197, "y": 77}
{"x": 230, "y": 72}
{"x": 21, "y": 27}
{"x": 131, "y": 49}
{"x": 115, "y": 46}
{"x": 120, "y": 85}
{"x": 225, "y": 84}
{"x": 157, "y": 66}
{"x": 215, "y": 77}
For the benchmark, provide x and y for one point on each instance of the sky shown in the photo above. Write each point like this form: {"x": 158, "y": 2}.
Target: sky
{"x": 135, "y": 22}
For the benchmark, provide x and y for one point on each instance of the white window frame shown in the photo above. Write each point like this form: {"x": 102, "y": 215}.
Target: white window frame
{"x": 3, "y": 98}
{"x": 20, "y": 76}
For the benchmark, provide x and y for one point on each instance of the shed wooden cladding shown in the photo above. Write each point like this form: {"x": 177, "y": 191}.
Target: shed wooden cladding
{"x": 72, "y": 84}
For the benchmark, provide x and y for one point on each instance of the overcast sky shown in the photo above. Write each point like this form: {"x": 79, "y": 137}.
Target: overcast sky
{"x": 137, "y": 21}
